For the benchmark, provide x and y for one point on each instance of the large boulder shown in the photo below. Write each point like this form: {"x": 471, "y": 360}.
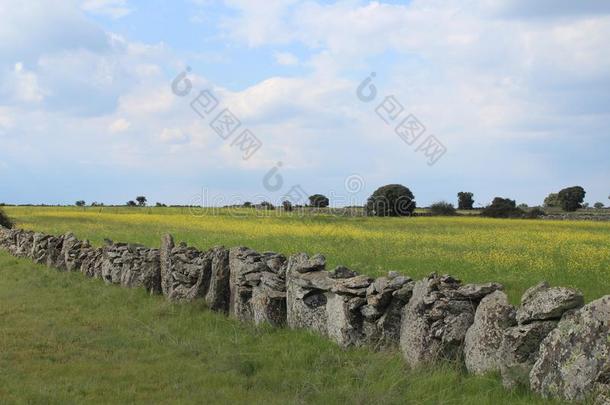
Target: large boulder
{"x": 574, "y": 360}
{"x": 246, "y": 267}
{"x": 269, "y": 295}
{"x": 165, "y": 252}
{"x": 112, "y": 264}
{"x": 542, "y": 302}
{"x": 91, "y": 262}
{"x": 258, "y": 286}
{"x": 484, "y": 338}
{"x": 519, "y": 351}
{"x": 436, "y": 319}
{"x": 541, "y": 308}
{"x": 325, "y": 302}
{"x": 71, "y": 251}
{"x": 141, "y": 268}
{"x": 190, "y": 272}
{"x": 55, "y": 256}
{"x": 307, "y": 287}
{"x": 40, "y": 246}
{"x": 382, "y": 313}
{"x": 218, "y": 295}
{"x": 24, "y": 244}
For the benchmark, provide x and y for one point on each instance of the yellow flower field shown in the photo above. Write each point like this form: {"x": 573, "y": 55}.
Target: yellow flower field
{"x": 517, "y": 253}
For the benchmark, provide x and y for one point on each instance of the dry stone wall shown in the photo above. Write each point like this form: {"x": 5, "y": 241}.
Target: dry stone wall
{"x": 552, "y": 342}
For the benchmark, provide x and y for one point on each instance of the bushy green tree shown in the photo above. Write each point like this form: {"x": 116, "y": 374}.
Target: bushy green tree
{"x": 392, "y": 200}
{"x": 502, "y": 208}
{"x": 80, "y": 203}
{"x": 318, "y": 201}
{"x": 571, "y": 198}
{"x": 552, "y": 201}
{"x": 267, "y": 205}
{"x": 442, "y": 208}
{"x": 465, "y": 200}
{"x": 131, "y": 203}
{"x": 287, "y": 205}
{"x": 141, "y": 200}
{"x": 5, "y": 221}
{"x": 598, "y": 205}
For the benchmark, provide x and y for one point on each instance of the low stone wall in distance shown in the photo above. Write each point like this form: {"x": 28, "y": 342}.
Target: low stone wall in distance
{"x": 552, "y": 343}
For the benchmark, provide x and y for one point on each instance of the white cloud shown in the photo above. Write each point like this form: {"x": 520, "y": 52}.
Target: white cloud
{"x": 111, "y": 8}
{"x": 119, "y": 125}
{"x": 21, "y": 85}
{"x": 173, "y": 135}
{"x": 286, "y": 59}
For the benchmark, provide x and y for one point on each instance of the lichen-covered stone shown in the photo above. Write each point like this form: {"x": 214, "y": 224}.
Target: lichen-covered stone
{"x": 327, "y": 303}
{"x": 71, "y": 251}
{"x": 190, "y": 274}
{"x": 218, "y": 295}
{"x": 141, "y": 269}
{"x": 382, "y": 313}
{"x": 484, "y": 338}
{"x": 165, "y": 251}
{"x": 436, "y": 319}
{"x": 543, "y": 302}
{"x": 91, "y": 262}
{"x": 246, "y": 268}
{"x": 40, "y": 247}
{"x": 574, "y": 359}
{"x": 519, "y": 351}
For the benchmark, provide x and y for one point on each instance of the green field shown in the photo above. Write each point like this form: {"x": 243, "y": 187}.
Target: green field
{"x": 69, "y": 339}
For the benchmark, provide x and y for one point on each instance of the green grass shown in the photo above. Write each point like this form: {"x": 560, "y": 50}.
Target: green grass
{"x": 517, "y": 253}
{"x": 67, "y": 339}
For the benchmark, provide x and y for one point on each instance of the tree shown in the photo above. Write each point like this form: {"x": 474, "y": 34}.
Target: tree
{"x": 465, "y": 200}
{"x": 131, "y": 203}
{"x": 141, "y": 200}
{"x": 247, "y": 204}
{"x": 571, "y": 198}
{"x": 318, "y": 201}
{"x": 392, "y": 200}
{"x": 598, "y": 205}
{"x": 80, "y": 203}
{"x": 502, "y": 208}
{"x": 552, "y": 201}
{"x": 443, "y": 208}
{"x": 287, "y": 205}
{"x": 266, "y": 205}
{"x": 5, "y": 221}
{"x": 160, "y": 205}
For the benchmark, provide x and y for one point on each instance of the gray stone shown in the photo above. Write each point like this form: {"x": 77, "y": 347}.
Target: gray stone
{"x": 519, "y": 351}
{"x": 141, "y": 268}
{"x": 218, "y": 295}
{"x": 484, "y": 338}
{"x": 302, "y": 263}
{"x": 184, "y": 272}
{"x": 91, "y": 262}
{"x": 342, "y": 272}
{"x": 574, "y": 359}
{"x": 542, "y": 302}
{"x": 165, "y": 251}
{"x": 306, "y": 295}
{"x": 436, "y": 319}
{"x": 72, "y": 252}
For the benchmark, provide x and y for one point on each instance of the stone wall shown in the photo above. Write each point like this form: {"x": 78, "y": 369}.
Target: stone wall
{"x": 552, "y": 343}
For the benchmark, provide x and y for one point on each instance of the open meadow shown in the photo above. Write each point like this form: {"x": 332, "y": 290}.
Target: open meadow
{"x": 69, "y": 339}
{"x": 517, "y": 253}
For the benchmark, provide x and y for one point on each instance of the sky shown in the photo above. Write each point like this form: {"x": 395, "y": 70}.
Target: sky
{"x": 104, "y": 100}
